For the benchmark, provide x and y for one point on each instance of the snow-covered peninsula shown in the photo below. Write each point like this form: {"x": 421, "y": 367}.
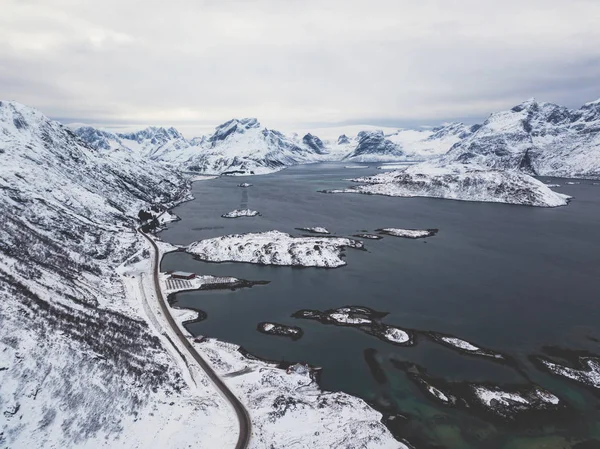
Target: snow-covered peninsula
{"x": 459, "y": 182}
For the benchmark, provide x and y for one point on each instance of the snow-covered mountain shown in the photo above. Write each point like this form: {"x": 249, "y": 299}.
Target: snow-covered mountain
{"x": 538, "y": 138}
{"x": 405, "y": 144}
{"x": 243, "y": 146}
{"x": 77, "y": 362}
{"x": 157, "y": 143}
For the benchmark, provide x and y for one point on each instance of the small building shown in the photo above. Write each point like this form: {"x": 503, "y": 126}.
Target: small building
{"x": 182, "y": 275}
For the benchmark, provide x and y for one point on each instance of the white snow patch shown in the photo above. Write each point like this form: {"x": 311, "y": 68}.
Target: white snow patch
{"x": 240, "y": 213}
{"x": 437, "y": 393}
{"x": 345, "y": 318}
{"x": 487, "y": 395}
{"x": 396, "y": 335}
{"x": 316, "y": 230}
{"x": 461, "y": 344}
{"x": 410, "y": 233}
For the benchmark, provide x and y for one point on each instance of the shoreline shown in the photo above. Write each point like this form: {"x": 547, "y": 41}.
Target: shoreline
{"x": 206, "y": 344}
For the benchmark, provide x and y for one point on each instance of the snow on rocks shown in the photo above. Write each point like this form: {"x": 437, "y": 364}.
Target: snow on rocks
{"x": 438, "y": 394}
{"x": 464, "y": 346}
{"x": 459, "y": 182}
{"x": 507, "y": 402}
{"x": 395, "y": 335}
{"x": 274, "y": 248}
{"x": 241, "y": 213}
{"x": 349, "y": 315}
{"x": 368, "y": 236}
{"x": 294, "y": 332}
{"x": 363, "y": 318}
{"x": 315, "y": 230}
{"x": 408, "y": 233}
{"x": 348, "y": 318}
{"x": 588, "y": 374}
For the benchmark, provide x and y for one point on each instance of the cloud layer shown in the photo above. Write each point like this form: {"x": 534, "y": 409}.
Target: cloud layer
{"x": 296, "y": 62}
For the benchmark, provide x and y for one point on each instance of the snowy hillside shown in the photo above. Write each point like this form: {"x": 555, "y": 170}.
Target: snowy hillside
{"x": 404, "y": 144}
{"x": 459, "y": 182}
{"x": 537, "y": 138}
{"x": 164, "y": 144}
{"x": 243, "y": 146}
{"x": 78, "y": 362}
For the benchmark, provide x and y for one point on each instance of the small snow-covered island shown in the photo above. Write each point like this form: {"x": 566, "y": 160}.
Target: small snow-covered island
{"x": 363, "y": 318}
{"x": 463, "y": 345}
{"x": 368, "y": 236}
{"x": 459, "y": 182}
{"x": 237, "y": 213}
{"x": 294, "y": 332}
{"x": 275, "y": 248}
{"x": 315, "y": 230}
{"x": 245, "y": 184}
{"x": 408, "y": 233}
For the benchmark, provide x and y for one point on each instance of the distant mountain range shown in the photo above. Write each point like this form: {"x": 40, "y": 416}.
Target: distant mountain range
{"x": 243, "y": 146}
{"x": 537, "y": 138}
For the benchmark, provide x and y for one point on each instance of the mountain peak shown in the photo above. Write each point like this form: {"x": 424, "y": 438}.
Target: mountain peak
{"x": 233, "y": 126}
{"x": 529, "y": 104}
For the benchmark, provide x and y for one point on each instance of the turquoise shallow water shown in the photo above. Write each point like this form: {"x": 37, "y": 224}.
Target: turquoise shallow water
{"x": 510, "y": 278}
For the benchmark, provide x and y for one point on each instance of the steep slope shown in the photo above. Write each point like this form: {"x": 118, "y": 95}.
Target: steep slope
{"x": 373, "y": 146}
{"x": 158, "y": 143}
{"x": 78, "y": 363}
{"x": 99, "y": 139}
{"x": 537, "y": 138}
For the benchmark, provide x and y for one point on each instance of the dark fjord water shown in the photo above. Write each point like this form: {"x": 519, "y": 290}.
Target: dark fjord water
{"x": 509, "y": 278}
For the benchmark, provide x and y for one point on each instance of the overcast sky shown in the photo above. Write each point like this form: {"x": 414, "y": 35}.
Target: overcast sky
{"x": 295, "y": 63}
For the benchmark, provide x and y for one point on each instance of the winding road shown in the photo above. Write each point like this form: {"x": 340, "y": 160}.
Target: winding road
{"x": 240, "y": 411}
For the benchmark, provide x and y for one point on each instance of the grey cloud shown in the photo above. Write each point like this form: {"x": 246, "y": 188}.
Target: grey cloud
{"x": 292, "y": 62}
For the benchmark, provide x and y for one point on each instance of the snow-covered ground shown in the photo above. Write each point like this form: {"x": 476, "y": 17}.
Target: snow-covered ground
{"x": 459, "y": 182}
{"x": 241, "y": 213}
{"x": 291, "y": 411}
{"x": 274, "y": 248}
